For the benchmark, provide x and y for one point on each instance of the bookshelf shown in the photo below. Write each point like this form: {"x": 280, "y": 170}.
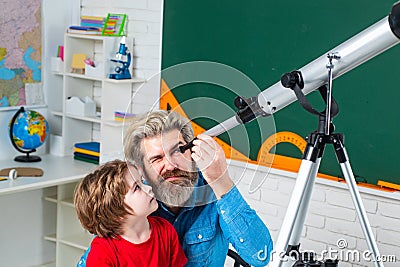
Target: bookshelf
{"x": 109, "y": 95}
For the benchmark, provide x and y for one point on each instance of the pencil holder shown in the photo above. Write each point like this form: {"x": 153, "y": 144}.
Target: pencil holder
{"x": 96, "y": 71}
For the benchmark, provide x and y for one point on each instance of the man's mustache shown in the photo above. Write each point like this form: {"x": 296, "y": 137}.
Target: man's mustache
{"x": 175, "y": 172}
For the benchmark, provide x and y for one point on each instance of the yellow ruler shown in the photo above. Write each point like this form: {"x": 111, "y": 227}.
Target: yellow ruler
{"x": 266, "y": 158}
{"x": 389, "y": 185}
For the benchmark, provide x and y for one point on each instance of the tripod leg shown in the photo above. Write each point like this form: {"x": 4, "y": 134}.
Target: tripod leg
{"x": 342, "y": 157}
{"x": 291, "y": 228}
{"x": 298, "y": 227}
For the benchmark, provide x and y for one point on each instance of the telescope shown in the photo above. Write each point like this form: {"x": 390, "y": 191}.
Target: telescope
{"x": 294, "y": 86}
{"x": 367, "y": 44}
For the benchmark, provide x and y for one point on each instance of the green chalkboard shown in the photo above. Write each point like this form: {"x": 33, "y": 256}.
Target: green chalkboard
{"x": 263, "y": 40}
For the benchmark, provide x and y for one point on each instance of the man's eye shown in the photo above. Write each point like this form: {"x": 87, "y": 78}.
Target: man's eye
{"x": 155, "y": 160}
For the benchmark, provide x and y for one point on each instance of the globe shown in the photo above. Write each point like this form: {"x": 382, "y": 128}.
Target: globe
{"x": 28, "y": 130}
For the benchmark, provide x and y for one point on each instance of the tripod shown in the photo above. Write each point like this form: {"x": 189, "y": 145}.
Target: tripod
{"x": 288, "y": 241}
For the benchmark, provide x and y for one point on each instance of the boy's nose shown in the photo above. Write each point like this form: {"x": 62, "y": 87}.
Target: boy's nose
{"x": 148, "y": 189}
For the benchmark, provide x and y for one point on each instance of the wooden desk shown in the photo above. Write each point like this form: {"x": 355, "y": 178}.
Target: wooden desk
{"x": 56, "y": 171}
{"x": 37, "y": 216}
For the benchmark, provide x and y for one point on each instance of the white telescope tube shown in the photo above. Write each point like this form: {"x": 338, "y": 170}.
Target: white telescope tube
{"x": 367, "y": 44}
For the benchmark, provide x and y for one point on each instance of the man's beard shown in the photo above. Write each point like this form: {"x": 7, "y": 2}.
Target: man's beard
{"x": 174, "y": 193}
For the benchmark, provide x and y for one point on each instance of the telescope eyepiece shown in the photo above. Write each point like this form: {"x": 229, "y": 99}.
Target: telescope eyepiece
{"x": 240, "y": 102}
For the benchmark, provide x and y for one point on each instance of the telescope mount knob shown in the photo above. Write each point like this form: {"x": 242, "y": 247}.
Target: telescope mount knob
{"x": 291, "y": 79}
{"x": 288, "y": 80}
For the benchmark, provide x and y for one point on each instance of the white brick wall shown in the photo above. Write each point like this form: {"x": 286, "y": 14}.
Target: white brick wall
{"x": 331, "y": 215}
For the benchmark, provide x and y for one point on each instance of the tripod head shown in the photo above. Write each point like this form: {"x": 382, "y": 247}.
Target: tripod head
{"x": 294, "y": 80}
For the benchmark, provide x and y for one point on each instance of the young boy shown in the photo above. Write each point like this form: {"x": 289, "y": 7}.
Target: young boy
{"x": 113, "y": 203}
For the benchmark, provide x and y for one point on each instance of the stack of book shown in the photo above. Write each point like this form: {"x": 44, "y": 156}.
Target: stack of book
{"x": 93, "y": 21}
{"x": 87, "y": 151}
{"x": 88, "y": 25}
{"x": 122, "y": 116}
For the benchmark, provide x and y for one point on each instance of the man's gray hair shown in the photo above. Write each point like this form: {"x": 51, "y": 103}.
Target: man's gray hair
{"x": 149, "y": 125}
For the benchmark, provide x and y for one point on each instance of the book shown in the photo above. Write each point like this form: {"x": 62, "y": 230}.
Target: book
{"x": 92, "y": 146}
{"x": 84, "y": 30}
{"x": 122, "y": 116}
{"x": 88, "y": 148}
{"x": 85, "y": 151}
{"x": 78, "y": 63}
{"x": 86, "y": 160}
{"x": 82, "y": 155}
{"x": 96, "y": 18}
{"x": 93, "y": 21}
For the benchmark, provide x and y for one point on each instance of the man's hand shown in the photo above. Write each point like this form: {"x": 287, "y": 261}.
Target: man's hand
{"x": 210, "y": 158}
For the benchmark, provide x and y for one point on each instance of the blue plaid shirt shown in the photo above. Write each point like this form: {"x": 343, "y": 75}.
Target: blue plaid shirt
{"x": 205, "y": 231}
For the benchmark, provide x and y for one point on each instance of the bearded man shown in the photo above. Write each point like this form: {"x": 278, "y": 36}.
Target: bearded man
{"x": 195, "y": 192}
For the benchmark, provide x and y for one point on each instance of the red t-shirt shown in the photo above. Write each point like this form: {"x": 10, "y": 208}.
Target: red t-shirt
{"x": 161, "y": 249}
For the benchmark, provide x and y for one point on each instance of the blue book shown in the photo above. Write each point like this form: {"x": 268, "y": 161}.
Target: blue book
{"x": 96, "y": 25}
{"x": 92, "y": 146}
{"x": 86, "y": 160}
{"x": 84, "y": 28}
{"x": 81, "y": 155}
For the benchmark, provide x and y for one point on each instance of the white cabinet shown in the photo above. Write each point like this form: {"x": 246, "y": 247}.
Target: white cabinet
{"x": 110, "y": 95}
{"x": 70, "y": 238}
{"x": 38, "y": 216}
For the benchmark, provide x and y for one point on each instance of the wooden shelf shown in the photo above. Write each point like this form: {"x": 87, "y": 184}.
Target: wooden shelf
{"x": 83, "y": 118}
{"x": 51, "y": 198}
{"x": 123, "y": 81}
{"x": 68, "y": 202}
{"x": 57, "y": 113}
{"x": 133, "y": 80}
{"x": 51, "y": 237}
{"x": 110, "y": 95}
{"x": 81, "y": 240}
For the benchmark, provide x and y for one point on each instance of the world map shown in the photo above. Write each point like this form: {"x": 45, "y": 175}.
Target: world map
{"x": 20, "y": 49}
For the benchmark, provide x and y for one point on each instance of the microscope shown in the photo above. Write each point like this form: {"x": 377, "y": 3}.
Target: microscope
{"x": 123, "y": 57}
